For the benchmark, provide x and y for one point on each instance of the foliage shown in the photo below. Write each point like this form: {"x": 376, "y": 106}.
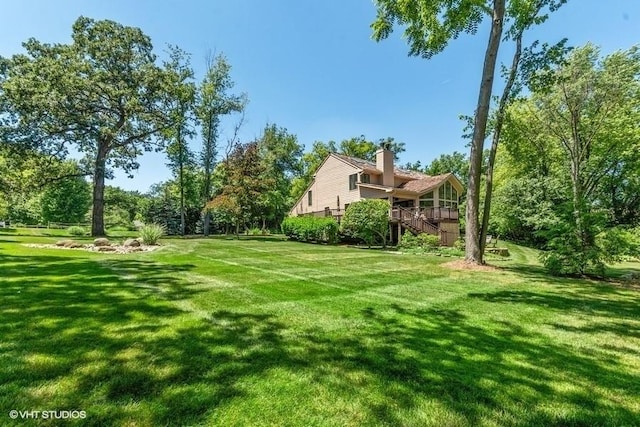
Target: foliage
{"x": 423, "y": 241}
{"x": 122, "y": 208}
{"x": 367, "y": 220}
{"x": 280, "y": 154}
{"x": 586, "y": 115}
{"x": 455, "y": 163}
{"x": 163, "y": 203}
{"x": 525, "y": 209}
{"x": 311, "y": 229}
{"x": 76, "y": 231}
{"x": 103, "y": 93}
{"x": 429, "y": 25}
{"x": 151, "y": 233}
{"x": 247, "y": 180}
{"x": 224, "y": 211}
{"x": 180, "y": 109}
{"x": 67, "y": 200}
{"x": 213, "y": 102}
{"x": 618, "y": 244}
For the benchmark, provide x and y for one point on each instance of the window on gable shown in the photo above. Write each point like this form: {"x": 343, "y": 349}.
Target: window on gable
{"x": 448, "y": 196}
{"x": 353, "y": 179}
{"x": 365, "y": 178}
{"x": 309, "y": 198}
{"x": 426, "y": 200}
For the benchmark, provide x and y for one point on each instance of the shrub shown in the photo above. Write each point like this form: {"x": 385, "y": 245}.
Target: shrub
{"x": 310, "y": 228}
{"x": 428, "y": 241}
{"x": 255, "y": 231}
{"x": 459, "y": 244}
{"x": 408, "y": 241}
{"x": 423, "y": 242}
{"x": 151, "y": 233}
{"x": 76, "y": 231}
{"x": 367, "y": 220}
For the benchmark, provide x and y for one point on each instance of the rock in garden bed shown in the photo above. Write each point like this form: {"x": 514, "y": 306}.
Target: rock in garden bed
{"x": 128, "y": 246}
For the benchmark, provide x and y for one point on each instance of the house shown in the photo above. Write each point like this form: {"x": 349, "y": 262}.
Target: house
{"x": 419, "y": 203}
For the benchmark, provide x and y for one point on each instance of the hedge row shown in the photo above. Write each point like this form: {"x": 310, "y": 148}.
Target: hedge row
{"x": 311, "y": 229}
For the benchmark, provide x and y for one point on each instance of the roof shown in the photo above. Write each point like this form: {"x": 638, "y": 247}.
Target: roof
{"x": 367, "y": 164}
{"x": 425, "y": 184}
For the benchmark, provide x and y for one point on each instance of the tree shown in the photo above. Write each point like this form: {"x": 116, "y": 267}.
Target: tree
{"x": 225, "y": 212}
{"x": 280, "y": 153}
{"x": 103, "y": 93}
{"x": 429, "y": 26}
{"x": 67, "y": 200}
{"x": 588, "y": 110}
{"x": 180, "y": 108}
{"x": 528, "y": 16}
{"x": 456, "y": 163}
{"x": 214, "y": 101}
{"x": 246, "y": 182}
{"x": 122, "y": 207}
{"x": 362, "y": 148}
{"x": 367, "y": 220}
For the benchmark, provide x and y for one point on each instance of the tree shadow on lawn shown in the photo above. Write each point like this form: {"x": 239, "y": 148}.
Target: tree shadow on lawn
{"x": 96, "y": 342}
{"x": 503, "y": 375}
{"x": 591, "y": 300}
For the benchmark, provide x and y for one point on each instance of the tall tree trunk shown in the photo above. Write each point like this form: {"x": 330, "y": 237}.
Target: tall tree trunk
{"x": 578, "y": 212}
{"x": 181, "y": 159}
{"x": 504, "y": 100}
{"x": 206, "y": 224}
{"x": 473, "y": 252}
{"x": 97, "y": 217}
{"x": 208, "y": 170}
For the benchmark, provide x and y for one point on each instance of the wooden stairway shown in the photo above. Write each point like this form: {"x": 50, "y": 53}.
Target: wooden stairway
{"x": 413, "y": 222}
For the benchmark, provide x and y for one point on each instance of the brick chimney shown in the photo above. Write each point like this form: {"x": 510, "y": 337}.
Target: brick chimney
{"x": 384, "y": 163}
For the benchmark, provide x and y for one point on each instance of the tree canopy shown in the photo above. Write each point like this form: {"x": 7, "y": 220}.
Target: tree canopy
{"x": 104, "y": 94}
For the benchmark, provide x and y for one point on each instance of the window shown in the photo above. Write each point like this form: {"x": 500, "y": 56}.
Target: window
{"x": 448, "y": 196}
{"x": 426, "y": 200}
{"x": 365, "y": 178}
{"x": 352, "y": 181}
{"x": 309, "y": 198}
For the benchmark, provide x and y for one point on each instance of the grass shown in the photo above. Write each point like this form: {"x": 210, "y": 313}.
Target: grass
{"x": 269, "y": 332}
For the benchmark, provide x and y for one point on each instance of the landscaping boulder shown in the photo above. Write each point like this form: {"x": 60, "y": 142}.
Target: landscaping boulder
{"x": 131, "y": 243}
{"x": 74, "y": 245}
{"x": 101, "y": 241}
{"x": 65, "y": 242}
{"x": 105, "y": 248}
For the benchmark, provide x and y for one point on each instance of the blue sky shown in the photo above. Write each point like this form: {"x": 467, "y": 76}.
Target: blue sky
{"x": 312, "y": 67}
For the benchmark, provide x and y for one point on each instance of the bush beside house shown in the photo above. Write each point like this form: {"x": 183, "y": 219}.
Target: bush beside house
{"x": 311, "y": 229}
{"x": 367, "y": 220}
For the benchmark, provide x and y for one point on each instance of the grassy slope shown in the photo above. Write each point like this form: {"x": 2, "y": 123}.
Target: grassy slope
{"x": 224, "y": 332}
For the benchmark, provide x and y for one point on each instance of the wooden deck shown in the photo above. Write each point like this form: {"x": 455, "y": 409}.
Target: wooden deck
{"x": 416, "y": 220}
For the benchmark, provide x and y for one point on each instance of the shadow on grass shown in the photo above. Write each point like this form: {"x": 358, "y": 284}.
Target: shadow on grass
{"x": 592, "y": 301}
{"x": 104, "y": 337}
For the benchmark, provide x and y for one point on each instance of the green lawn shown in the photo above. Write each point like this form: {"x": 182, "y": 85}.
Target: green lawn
{"x": 270, "y": 332}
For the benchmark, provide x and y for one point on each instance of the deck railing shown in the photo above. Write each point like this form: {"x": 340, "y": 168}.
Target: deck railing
{"x": 414, "y": 219}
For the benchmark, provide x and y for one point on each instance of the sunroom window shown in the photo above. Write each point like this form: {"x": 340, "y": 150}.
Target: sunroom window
{"x": 426, "y": 200}
{"x": 448, "y": 196}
